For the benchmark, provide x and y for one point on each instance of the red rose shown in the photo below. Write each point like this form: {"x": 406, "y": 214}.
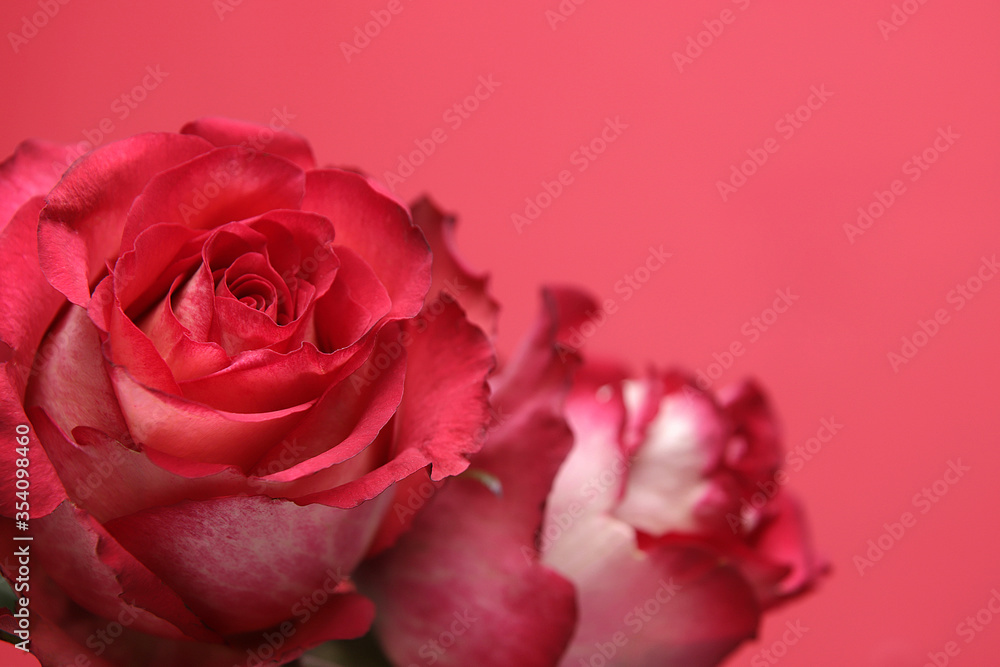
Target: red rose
{"x": 224, "y": 356}
{"x": 626, "y": 541}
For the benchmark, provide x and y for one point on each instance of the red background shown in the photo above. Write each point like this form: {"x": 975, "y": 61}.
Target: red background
{"x": 657, "y": 184}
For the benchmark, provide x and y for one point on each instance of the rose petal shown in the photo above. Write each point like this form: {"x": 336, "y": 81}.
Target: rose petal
{"x": 51, "y": 643}
{"x": 46, "y": 488}
{"x": 667, "y": 474}
{"x": 99, "y": 575}
{"x": 345, "y": 422}
{"x": 353, "y": 305}
{"x": 755, "y": 448}
{"x": 272, "y": 381}
{"x": 34, "y": 169}
{"x": 245, "y": 563}
{"x": 73, "y": 636}
{"x": 445, "y": 399}
{"x": 109, "y": 478}
{"x": 215, "y": 188}
{"x": 81, "y": 225}
{"x": 72, "y": 384}
{"x": 29, "y": 303}
{"x": 379, "y": 230}
{"x": 250, "y": 136}
{"x": 450, "y": 274}
{"x": 184, "y": 352}
{"x": 186, "y": 429}
{"x": 784, "y": 539}
{"x": 672, "y": 605}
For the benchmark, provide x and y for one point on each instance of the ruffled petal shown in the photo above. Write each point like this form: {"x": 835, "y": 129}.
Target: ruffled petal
{"x": 451, "y": 277}
{"x": 253, "y": 137}
{"x": 81, "y": 225}
{"x": 445, "y": 400}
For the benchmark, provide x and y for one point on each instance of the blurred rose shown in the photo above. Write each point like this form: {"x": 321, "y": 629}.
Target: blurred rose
{"x": 225, "y": 356}
{"x": 600, "y": 524}
{"x": 648, "y": 518}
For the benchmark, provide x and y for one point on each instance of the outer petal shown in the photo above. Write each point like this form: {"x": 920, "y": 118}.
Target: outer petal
{"x": 755, "y": 449}
{"x": 51, "y": 644}
{"x": 27, "y": 301}
{"x": 32, "y": 170}
{"x": 243, "y": 563}
{"x": 451, "y": 276}
{"x": 784, "y": 539}
{"x": 674, "y": 605}
{"x": 73, "y": 384}
{"x": 97, "y": 573}
{"x": 250, "y": 136}
{"x": 468, "y": 566}
{"x": 445, "y": 399}
{"x": 82, "y": 223}
{"x": 378, "y": 229}
{"x": 28, "y": 304}
{"x": 68, "y": 635}
{"x": 109, "y": 478}
{"x": 46, "y": 489}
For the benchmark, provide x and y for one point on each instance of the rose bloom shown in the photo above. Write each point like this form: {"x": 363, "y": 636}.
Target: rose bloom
{"x": 223, "y": 358}
{"x": 633, "y": 538}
